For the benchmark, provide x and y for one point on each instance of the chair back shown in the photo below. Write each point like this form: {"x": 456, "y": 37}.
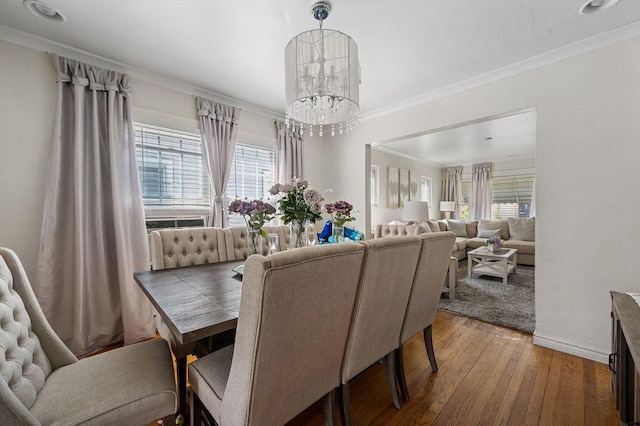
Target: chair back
{"x": 387, "y": 276}
{"x": 29, "y": 348}
{"x": 427, "y": 284}
{"x": 292, "y": 330}
{"x": 236, "y": 240}
{"x": 176, "y": 248}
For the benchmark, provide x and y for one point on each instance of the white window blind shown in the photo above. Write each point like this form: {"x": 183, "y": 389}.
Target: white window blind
{"x": 171, "y": 168}
{"x": 253, "y": 173}
{"x": 511, "y": 196}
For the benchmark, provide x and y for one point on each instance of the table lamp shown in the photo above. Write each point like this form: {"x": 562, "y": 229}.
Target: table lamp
{"x": 447, "y": 207}
{"x": 416, "y": 211}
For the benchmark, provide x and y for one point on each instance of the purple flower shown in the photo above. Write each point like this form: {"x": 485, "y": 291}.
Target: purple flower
{"x": 287, "y": 187}
{"x": 311, "y": 196}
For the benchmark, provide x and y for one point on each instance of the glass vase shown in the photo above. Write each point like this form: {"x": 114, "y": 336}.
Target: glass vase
{"x": 297, "y": 234}
{"x": 254, "y": 242}
{"x": 338, "y": 234}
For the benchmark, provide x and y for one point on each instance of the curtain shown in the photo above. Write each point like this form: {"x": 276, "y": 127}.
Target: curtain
{"x": 219, "y": 130}
{"x": 93, "y": 231}
{"x": 480, "y": 192}
{"x": 452, "y": 187}
{"x": 289, "y": 153}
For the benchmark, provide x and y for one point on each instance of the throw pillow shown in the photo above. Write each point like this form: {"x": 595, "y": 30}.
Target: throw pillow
{"x": 488, "y": 233}
{"x": 523, "y": 229}
{"x": 458, "y": 227}
{"x": 433, "y": 225}
{"x": 492, "y": 225}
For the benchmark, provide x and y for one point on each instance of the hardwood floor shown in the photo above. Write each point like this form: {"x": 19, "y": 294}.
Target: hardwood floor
{"x": 487, "y": 375}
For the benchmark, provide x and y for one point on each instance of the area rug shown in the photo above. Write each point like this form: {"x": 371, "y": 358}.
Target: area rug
{"x": 488, "y": 299}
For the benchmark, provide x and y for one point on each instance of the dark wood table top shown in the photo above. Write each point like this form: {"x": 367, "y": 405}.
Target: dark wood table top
{"x": 195, "y": 301}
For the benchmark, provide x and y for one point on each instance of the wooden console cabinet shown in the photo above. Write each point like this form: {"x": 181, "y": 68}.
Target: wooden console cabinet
{"x": 624, "y": 359}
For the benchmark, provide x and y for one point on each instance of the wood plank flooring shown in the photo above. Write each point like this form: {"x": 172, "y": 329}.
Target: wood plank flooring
{"x": 487, "y": 375}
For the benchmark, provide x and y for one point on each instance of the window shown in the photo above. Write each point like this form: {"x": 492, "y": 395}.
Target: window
{"x": 375, "y": 185}
{"x": 253, "y": 173}
{"x": 425, "y": 189}
{"x": 171, "y": 168}
{"x": 510, "y": 197}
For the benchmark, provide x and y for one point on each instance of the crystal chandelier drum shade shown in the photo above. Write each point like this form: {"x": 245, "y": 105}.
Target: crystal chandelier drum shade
{"x": 322, "y": 77}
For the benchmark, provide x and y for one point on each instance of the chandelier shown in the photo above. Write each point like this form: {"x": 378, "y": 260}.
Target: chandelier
{"x": 322, "y": 75}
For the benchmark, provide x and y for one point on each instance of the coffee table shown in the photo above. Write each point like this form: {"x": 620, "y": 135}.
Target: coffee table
{"x": 485, "y": 262}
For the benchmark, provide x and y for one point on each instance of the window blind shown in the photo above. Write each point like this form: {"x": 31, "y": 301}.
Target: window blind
{"x": 171, "y": 168}
{"x": 252, "y": 175}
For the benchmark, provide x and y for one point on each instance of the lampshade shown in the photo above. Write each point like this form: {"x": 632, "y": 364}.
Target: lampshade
{"x": 447, "y": 206}
{"x": 322, "y": 77}
{"x": 415, "y": 210}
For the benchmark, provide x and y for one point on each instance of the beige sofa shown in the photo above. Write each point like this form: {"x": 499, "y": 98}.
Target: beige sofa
{"x": 474, "y": 234}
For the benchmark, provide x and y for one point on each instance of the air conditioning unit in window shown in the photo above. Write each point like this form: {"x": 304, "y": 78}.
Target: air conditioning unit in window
{"x": 157, "y": 223}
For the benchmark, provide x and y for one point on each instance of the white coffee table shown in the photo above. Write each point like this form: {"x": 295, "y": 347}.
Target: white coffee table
{"x": 484, "y": 262}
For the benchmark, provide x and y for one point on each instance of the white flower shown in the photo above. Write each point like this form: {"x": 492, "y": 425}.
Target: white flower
{"x": 316, "y": 207}
{"x": 287, "y": 187}
{"x": 311, "y": 196}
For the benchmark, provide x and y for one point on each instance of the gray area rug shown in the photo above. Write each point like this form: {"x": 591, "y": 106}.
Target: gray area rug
{"x": 487, "y": 299}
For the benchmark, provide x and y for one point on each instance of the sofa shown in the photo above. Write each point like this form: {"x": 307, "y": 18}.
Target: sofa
{"x": 516, "y": 233}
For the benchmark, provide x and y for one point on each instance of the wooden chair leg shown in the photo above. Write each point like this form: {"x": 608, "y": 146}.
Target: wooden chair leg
{"x": 402, "y": 381}
{"x": 391, "y": 378}
{"x": 169, "y": 420}
{"x": 181, "y": 364}
{"x": 343, "y": 402}
{"x": 328, "y": 408}
{"x": 428, "y": 343}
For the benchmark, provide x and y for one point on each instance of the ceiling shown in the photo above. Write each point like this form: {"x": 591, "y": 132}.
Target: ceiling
{"x": 507, "y": 138}
{"x": 235, "y": 48}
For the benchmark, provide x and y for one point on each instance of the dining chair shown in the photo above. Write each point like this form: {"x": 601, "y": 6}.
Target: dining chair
{"x": 291, "y": 335}
{"x": 435, "y": 256}
{"x": 176, "y": 248}
{"x": 43, "y": 383}
{"x": 236, "y": 240}
{"x": 374, "y": 333}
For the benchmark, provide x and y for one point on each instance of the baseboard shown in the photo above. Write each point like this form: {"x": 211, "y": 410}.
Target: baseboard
{"x": 571, "y": 349}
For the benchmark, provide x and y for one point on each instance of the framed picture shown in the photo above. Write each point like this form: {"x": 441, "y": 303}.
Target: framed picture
{"x": 393, "y": 187}
{"x": 404, "y": 186}
{"x": 414, "y": 186}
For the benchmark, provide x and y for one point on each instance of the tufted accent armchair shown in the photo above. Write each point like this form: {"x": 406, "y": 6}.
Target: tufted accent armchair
{"x": 42, "y": 382}
{"x": 175, "y": 248}
{"x": 236, "y": 240}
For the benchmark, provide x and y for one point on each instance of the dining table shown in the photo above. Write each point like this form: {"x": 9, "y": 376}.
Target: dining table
{"x": 195, "y": 302}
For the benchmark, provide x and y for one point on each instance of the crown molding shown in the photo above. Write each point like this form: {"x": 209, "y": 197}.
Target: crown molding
{"x": 386, "y": 150}
{"x": 618, "y": 35}
{"x": 40, "y": 44}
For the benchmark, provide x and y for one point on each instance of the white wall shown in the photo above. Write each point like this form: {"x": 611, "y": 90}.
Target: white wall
{"x": 587, "y": 158}
{"x": 382, "y": 214}
{"x": 27, "y": 109}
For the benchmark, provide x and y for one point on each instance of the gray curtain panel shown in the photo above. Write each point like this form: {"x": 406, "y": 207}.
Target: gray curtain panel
{"x": 480, "y": 192}
{"x": 452, "y": 187}
{"x": 289, "y": 153}
{"x": 219, "y": 130}
{"x": 93, "y": 230}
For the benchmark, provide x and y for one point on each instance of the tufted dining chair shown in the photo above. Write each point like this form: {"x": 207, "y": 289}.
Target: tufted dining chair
{"x": 435, "y": 255}
{"x": 236, "y": 240}
{"x": 294, "y": 319}
{"x": 176, "y": 248}
{"x": 43, "y": 383}
{"x": 387, "y": 276}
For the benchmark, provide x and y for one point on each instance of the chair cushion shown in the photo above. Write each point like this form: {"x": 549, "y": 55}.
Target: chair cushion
{"x": 95, "y": 391}
{"x": 524, "y": 247}
{"x": 23, "y": 364}
{"x": 208, "y": 378}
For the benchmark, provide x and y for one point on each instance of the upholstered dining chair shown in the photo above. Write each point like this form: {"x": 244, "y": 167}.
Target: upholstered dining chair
{"x": 291, "y": 335}
{"x": 236, "y": 240}
{"x": 176, "y": 248}
{"x": 387, "y": 276}
{"x": 43, "y": 383}
{"x": 435, "y": 255}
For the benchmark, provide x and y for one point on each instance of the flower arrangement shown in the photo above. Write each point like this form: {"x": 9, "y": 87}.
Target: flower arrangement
{"x": 255, "y": 213}
{"x": 342, "y": 210}
{"x": 495, "y": 241}
{"x": 299, "y": 202}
